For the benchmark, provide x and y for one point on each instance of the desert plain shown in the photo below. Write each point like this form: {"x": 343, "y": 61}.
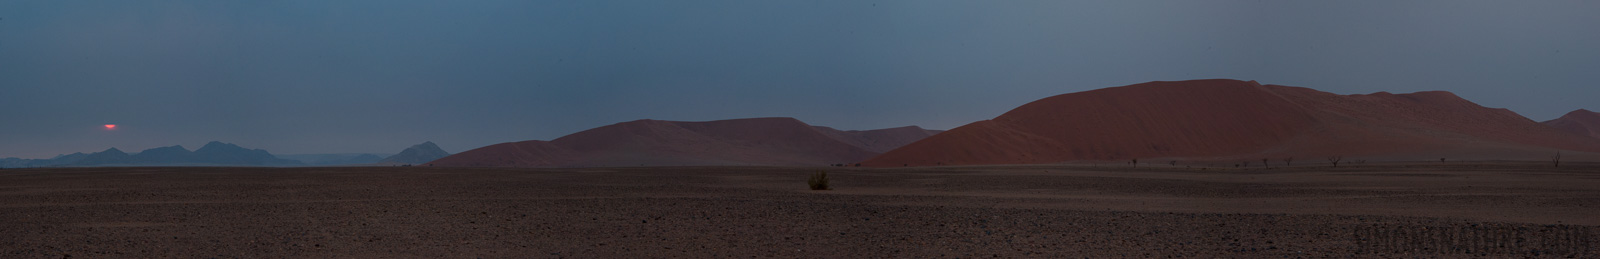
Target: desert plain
{"x": 1110, "y": 210}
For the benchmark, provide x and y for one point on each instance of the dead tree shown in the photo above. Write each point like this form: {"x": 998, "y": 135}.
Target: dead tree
{"x": 1335, "y": 160}
{"x": 1135, "y": 163}
{"x": 1286, "y": 160}
{"x": 1556, "y": 159}
{"x": 1265, "y": 164}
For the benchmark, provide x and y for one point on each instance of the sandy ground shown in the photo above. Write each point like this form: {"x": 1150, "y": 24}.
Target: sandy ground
{"x": 1396, "y": 210}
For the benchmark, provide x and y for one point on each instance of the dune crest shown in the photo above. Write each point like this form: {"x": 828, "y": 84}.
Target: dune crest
{"x": 1581, "y": 122}
{"x": 755, "y": 141}
{"x": 1232, "y": 119}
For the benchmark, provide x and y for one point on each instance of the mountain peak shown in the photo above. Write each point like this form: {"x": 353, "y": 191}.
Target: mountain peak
{"x": 172, "y": 147}
{"x": 217, "y": 152}
{"x": 417, "y": 154}
{"x": 111, "y": 156}
{"x": 219, "y": 144}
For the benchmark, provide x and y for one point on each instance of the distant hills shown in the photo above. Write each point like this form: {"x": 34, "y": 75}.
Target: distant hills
{"x": 416, "y": 154}
{"x": 755, "y": 141}
{"x": 212, "y": 154}
{"x": 1244, "y": 121}
{"x": 225, "y": 154}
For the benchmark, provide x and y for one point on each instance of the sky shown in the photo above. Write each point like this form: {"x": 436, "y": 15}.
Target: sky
{"x": 300, "y": 77}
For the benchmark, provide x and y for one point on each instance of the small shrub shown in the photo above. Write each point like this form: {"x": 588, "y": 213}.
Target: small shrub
{"x": 819, "y": 181}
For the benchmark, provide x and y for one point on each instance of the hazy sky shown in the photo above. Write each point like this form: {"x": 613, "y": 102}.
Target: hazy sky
{"x": 378, "y": 76}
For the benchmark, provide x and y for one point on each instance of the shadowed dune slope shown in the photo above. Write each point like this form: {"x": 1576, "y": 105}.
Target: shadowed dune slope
{"x": 879, "y": 140}
{"x": 757, "y": 141}
{"x": 1231, "y": 119}
{"x": 1581, "y": 122}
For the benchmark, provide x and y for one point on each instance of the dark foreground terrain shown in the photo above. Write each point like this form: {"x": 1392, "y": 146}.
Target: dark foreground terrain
{"x": 1467, "y": 210}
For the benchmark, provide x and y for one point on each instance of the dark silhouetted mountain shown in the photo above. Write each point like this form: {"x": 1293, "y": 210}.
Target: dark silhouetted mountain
{"x": 12, "y": 162}
{"x": 212, "y": 154}
{"x": 165, "y": 155}
{"x": 111, "y": 156}
{"x": 229, "y": 154}
{"x": 58, "y": 160}
{"x": 64, "y": 159}
{"x": 417, "y": 154}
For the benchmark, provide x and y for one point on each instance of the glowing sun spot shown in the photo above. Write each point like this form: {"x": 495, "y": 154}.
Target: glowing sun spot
{"x": 111, "y": 126}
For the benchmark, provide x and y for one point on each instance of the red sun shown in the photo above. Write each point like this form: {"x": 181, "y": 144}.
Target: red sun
{"x": 111, "y": 126}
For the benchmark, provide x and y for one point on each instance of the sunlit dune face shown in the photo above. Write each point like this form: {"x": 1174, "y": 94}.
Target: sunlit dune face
{"x": 111, "y": 127}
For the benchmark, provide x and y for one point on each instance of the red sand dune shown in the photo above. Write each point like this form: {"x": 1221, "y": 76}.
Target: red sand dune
{"x": 1230, "y": 119}
{"x": 1581, "y": 122}
{"x": 758, "y": 141}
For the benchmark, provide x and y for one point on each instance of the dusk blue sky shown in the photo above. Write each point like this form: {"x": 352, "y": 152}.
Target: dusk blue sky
{"x": 378, "y": 76}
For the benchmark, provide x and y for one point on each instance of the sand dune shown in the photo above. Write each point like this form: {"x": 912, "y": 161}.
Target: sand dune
{"x": 757, "y": 141}
{"x": 1581, "y": 122}
{"x": 1229, "y": 119}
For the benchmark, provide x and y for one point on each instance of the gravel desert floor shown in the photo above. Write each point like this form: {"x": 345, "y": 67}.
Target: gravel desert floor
{"x": 1077, "y": 211}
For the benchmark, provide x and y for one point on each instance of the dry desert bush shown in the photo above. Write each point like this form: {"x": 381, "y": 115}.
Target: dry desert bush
{"x": 819, "y": 181}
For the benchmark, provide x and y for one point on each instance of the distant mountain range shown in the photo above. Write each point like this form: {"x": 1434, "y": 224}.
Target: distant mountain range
{"x": 224, "y": 154}
{"x": 212, "y": 154}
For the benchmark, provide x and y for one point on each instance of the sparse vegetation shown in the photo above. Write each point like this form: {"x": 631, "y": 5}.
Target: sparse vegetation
{"x": 819, "y": 181}
{"x": 1335, "y": 160}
